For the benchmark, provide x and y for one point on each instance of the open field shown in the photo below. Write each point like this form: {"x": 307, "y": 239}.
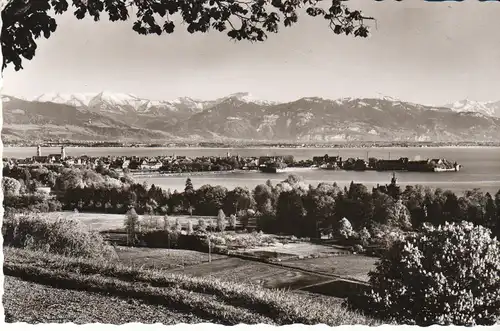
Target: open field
{"x": 244, "y": 271}
{"x": 349, "y": 266}
{"x": 104, "y": 222}
{"x": 299, "y": 249}
{"x": 166, "y": 259}
{"x": 226, "y": 268}
{"x": 207, "y": 298}
{"x": 162, "y": 258}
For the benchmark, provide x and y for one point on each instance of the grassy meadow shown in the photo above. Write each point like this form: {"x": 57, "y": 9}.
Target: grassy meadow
{"x": 207, "y": 298}
{"x": 161, "y": 258}
{"x": 106, "y": 222}
{"x": 349, "y": 266}
{"x": 48, "y": 257}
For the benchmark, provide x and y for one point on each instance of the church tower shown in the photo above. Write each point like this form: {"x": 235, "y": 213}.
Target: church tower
{"x": 63, "y": 153}
{"x": 38, "y": 150}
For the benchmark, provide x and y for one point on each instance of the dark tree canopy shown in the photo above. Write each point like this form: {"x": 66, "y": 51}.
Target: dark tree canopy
{"x": 26, "y": 20}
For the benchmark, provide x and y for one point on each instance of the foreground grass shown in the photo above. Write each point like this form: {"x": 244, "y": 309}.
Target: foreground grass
{"x": 28, "y": 302}
{"x": 212, "y": 299}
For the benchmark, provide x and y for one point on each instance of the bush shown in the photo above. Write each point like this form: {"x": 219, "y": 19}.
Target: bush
{"x": 31, "y": 203}
{"x": 358, "y": 248}
{"x": 233, "y": 240}
{"x": 167, "y": 225}
{"x": 159, "y": 238}
{"x": 132, "y": 226}
{"x": 345, "y": 228}
{"x": 189, "y": 229}
{"x": 202, "y": 225}
{"x": 386, "y": 236}
{"x": 444, "y": 275}
{"x": 10, "y": 186}
{"x": 232, "y": 222}
{"x": 221, "y": 221}
{"x": 177, "y": 226}
{"x": 61, "y": 236}
{"x": 218, "y": 241}
{"x": 364, "y": 237}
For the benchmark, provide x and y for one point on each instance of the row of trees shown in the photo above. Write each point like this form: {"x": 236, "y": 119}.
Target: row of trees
{"x": 295, "y": 208}
{"x": 135, "y": 226}
{"x": 205, "y": 164}
{"x": 290, "y": 206}
{"x": 60, "y": 178}
{"x": 443, "y": 271}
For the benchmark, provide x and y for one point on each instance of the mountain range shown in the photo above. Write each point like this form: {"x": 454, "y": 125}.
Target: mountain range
{"x": 108, "y": 116}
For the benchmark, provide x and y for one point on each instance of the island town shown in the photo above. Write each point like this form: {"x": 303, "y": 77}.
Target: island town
{"x": 269, "y": 164}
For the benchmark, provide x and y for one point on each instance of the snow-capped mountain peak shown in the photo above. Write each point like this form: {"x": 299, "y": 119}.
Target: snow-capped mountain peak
{"x": 117, "y": 98}
{"x": 126, "y": 102}
{"x": 487, "y": 108}
{"x": 75, "y": 99}
{"x": 121, "y": 102}
{"x": 190, "y": 102}
{"x": 248, "y": 98}
{"x": 389, "y": 98}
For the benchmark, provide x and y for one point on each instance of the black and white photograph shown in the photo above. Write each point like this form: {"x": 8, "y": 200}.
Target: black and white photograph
{"x": 277, "y": 162}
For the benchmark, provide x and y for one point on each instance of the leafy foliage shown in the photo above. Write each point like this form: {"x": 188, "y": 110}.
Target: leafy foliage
{"x": 202, "y": 225}
{"x": 132, "y": 225}
{"x": 221, "y": 221}
{"x": 189, "y": 229}
{"x": 189, "y": 186}
{"x": 290, "y": 206}
{"x": 399, "y": 216}
{"x": 232, "y": 221}
{"x": 364, "y": 236}
{"x": 24, "y": 20}
{"x": 445, "y": 275}
{"x": 177, "y": 225}
{"x": 210, "y": 199}
{"x": 167, "y": 224}
{"x": 61, "y": 236}
{"x": 10, "y": 186}
{"x": 345, "y": 228}
{"x": 30, "y": 203}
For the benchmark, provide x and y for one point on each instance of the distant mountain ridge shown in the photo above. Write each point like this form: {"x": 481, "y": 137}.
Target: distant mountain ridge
{"x": 123, "y": 102}
{"x": 108, "y": 116}
{"x": 485, "y": 108}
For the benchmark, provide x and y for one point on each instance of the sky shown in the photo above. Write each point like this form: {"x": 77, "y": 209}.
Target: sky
{"x": 429, "y": 53}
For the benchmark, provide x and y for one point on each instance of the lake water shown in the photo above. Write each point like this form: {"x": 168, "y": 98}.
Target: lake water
{"x": 481, "y": 165}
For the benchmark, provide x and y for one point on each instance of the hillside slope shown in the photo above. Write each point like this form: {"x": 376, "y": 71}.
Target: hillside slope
{"x": 123, "y": 117}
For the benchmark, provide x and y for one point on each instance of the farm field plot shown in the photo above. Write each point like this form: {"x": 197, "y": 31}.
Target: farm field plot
{"x": 299, "y": 249}
{"x": 103, "y": 222}
{"x": 352, "y": 266}
{"x": 162, "y": 258}
{"x": 243, "y": 271}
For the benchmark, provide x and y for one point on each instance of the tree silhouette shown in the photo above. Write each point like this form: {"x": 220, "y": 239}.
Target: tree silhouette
{"x": 26, "y": 20}
{"x": 189, "y": 186}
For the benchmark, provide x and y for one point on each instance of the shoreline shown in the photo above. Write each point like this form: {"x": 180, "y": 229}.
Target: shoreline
{"x": 497, "y": 145}
{"x": 223, "y": 172}
{"x": 154, "y": 174}
{"x": 180, "y": 174}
